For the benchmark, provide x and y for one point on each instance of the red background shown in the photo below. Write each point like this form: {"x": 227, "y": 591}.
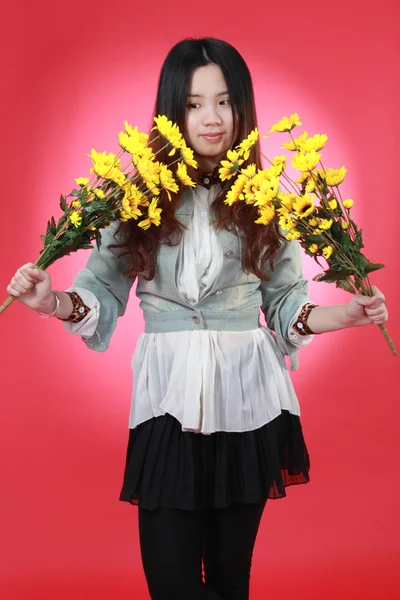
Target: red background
{"x": 71, "y": 73}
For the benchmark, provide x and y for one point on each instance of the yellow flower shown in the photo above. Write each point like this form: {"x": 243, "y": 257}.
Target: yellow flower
{"x": 332, "y": 204}
{"x": 188, "y": 156}
{"x": 249, "y": 189}
{"x": 316, "y": 143}
{"x": 310, "y": 185}
{"x": 266, "y": 213}
{"x": 117, "y": 176}
{"x": 231, "y": 166}
{"x": 247, "y": 144}
{"x": 279, "y": 162}
{"x": 82, "y": 180}
{"x": 305, "y": 161}
{"x": 167, "y": 181}
{"x": 313, "y": 222}
{"x": 297, "y": 143}
{"x": 126, "y": 142}
{"x": 286, "y": 222}
{"x": 149, "y": 171}
{"x": 325, "y": 224}
{"x": 303, "y": 206}
{"x": 170, "y": 131}
{"x": 236, "y": 191}
{"x": 286, "y": 200}
{"x": 142, "y": 138}
{"x": 153, "y": 217}
{"x": 99, "y": 193}
{"x": 249, "y": 171}
{"x": 183, "y": 175}
{"x": 307, "y": 178}
{"x": 133, "y": 141}
{"x": 327, "y": 251}
{"x": 335, "y": 176}
{"x": 267, "y": 191}
{"x": 286, "y": 123}
{"x": 345, "y": 225}
{"x": 348, "y": 203}
{"x": 103, "y": 164}
{"x": 293, "y": 235}
{"x": 76, "y": 204}
{"x": 131, "y": 201}
{"x": 75, "y": 218}
{"x": 313, "y": 248}
{"x": 262, "y": 187}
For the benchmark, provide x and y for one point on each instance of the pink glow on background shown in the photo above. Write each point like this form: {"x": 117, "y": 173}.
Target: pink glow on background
{"x": 69, "y": 81}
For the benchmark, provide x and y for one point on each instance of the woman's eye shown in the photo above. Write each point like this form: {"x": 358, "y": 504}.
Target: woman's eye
{"x": 193, "y": 105}
{"x": 225, "y": 102}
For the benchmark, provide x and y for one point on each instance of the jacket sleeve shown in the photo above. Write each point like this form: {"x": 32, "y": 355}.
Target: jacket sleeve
{"x": 104, "y": 277}
{"x": 283, "y": 294}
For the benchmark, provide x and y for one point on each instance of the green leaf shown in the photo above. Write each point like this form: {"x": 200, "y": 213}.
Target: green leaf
{"x": 347, "y": 243}
{"x": 331, "y": 276}
{"x": 317, "y": 239}
{"x": 98, "y": 239}
{"x": 358, "y": 241}
{"x": 63, "y": 203}
{"x": 373, "y": 267}
{"x": 337, "y": 231}
{"x": 344, "y": 284}
{"x": 361, "y": 263}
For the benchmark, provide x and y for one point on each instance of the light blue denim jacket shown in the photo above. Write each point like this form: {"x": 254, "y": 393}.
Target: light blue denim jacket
{"x": 232, "y": 304}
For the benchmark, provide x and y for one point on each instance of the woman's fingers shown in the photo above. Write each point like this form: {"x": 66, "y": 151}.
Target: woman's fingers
{"x": 377, "y": 315}
{"x": 25, "y": 280}
{"x": 377, "y": 293}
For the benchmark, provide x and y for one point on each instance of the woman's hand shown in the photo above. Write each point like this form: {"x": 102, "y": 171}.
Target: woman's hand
{"x": 364, "y": 310}
{"x": 32, "y": 287}
{"x": 361, "y": 310}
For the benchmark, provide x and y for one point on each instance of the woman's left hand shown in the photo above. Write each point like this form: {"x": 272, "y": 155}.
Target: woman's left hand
{"x": 364, "y": 310}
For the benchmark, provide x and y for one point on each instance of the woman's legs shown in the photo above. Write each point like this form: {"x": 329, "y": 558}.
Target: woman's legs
{"x": 228, "y": 549}
{"x": 171, "y": 543}
{"x": 174, "y": 542}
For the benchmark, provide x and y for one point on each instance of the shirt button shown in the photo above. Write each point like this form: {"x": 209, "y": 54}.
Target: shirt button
{"x": 205, "y": 243}
{"x": 196, "y": 320}
{"x": 204, "y": 213}
{"x": 229, "y": 254}
{"x": 206, "y": 180}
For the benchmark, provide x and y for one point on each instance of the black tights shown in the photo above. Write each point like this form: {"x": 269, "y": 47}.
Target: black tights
{"x": 175, "y": 542}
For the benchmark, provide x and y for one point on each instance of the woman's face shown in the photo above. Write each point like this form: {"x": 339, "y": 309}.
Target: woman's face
{"x": 209, "y": 123}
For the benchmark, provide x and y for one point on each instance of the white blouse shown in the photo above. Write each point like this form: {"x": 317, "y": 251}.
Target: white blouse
{"x": 209, "y": 380}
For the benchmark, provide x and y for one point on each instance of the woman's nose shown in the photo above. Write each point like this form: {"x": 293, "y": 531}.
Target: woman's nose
{"x": 212, "y": 116}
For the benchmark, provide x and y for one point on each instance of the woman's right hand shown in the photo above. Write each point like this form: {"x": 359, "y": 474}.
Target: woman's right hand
{"x": 32, "y": 287}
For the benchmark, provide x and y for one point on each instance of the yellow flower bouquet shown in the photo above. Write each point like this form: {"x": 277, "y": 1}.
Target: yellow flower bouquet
{"x": 310, "y": 209}
{"x": 116, "y": 192}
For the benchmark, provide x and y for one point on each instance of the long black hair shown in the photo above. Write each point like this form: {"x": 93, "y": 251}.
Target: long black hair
{"x": 183, "y": 59}
{"x": 262, "y": 242}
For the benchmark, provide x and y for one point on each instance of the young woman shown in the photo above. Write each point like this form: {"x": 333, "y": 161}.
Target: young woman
{"x": 214, "y": 425}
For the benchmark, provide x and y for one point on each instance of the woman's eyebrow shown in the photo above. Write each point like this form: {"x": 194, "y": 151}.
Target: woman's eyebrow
{"x": 201, "y": 95}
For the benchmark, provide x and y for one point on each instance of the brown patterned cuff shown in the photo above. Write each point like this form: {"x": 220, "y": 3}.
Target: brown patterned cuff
{"x": 79, "y": 308}
{"x": 300, "y": 324}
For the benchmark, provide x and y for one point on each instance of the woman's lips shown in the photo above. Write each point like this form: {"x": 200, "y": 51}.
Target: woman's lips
{"x": 213, "y": 137}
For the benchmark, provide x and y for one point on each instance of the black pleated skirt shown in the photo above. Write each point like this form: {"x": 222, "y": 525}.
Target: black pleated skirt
{"x": 169, "y": 468}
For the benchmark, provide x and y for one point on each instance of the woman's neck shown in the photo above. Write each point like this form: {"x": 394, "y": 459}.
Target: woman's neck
{"x": 207, "y": 165}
